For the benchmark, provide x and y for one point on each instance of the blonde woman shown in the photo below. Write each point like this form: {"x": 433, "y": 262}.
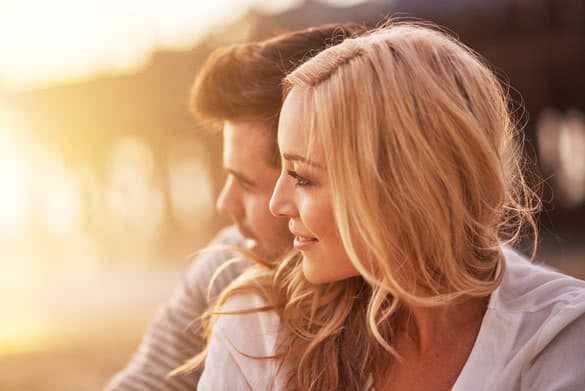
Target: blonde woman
{"x": 402, "y": 187}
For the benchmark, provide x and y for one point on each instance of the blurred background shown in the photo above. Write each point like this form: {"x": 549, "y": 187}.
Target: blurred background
{"x": 107, "y": 184}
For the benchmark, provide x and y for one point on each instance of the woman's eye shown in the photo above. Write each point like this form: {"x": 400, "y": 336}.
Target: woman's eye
{"x": 300, "y": 180}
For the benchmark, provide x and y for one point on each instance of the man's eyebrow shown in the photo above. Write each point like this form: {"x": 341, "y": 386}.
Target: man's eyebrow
{"x": 292, "y": 158}
{"x": 240, "y": 177}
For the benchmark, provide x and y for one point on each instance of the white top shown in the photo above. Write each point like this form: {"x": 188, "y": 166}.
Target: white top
{"x": 532, "y": 337}
{"x": 253, "y": 334}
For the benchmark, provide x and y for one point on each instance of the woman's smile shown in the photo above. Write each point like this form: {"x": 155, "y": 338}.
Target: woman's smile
{"x": 303, "y": 243}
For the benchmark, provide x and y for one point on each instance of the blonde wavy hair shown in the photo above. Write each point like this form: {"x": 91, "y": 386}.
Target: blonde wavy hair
{"x": 416, "y": 118}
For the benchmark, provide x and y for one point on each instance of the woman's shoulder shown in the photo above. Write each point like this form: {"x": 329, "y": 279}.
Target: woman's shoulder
{"x": 533, "y": 333}
{"x": 543, "y": 313}
{"x": 532, "y": 288}
{"x": 536, "y": 302}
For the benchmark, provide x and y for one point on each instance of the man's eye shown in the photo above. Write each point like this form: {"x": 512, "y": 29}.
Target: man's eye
{"x": 246, "y": 185}
{"x": 300, "y": 180}
{"x": 241, "y": 182}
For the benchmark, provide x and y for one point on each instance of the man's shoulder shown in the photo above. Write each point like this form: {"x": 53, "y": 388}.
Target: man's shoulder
{"x": 222, "y": 253}
{"x": 230, "y": 235}
{"x": 222, "y": 247}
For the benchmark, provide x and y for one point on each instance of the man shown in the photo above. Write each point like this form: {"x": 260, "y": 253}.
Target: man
{"x": 240, "y": 88}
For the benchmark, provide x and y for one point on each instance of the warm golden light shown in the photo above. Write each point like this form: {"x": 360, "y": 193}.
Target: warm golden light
{"x": 19, "y": 334}
{"x": 46, "y": 42}
{"x": 62, "y": 203}
{"x": 191, "y": 193}
{"x": 15, "y": 196}
{"x": 134, "y": 202}
{"x": 15, "y": 172}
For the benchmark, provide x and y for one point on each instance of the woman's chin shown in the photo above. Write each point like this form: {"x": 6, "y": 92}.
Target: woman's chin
{"x": 312, "y": 272}
{"x": 316, "y": 274}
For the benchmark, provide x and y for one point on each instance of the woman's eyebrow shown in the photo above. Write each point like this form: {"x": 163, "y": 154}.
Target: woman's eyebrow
{"x": 292, "y": 158}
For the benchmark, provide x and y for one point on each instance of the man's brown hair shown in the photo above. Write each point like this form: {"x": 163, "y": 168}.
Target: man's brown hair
{"x": 244, "y": 81}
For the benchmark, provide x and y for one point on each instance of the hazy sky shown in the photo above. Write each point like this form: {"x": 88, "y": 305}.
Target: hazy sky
{"x": 47, "y": 41}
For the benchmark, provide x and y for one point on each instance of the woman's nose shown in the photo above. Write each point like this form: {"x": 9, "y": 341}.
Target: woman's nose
{"x": 281, "y": 203}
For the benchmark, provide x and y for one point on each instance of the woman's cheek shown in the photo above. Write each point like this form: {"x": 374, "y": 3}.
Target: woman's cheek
{"x": 324, "y": 221}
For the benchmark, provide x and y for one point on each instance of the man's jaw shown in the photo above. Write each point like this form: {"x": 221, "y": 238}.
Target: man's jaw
{"x": 250, "y": 244}
{"x": 250, "y": 241}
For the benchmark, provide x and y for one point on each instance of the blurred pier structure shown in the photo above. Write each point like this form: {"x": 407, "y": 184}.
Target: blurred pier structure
{"x": 111, "y": 130}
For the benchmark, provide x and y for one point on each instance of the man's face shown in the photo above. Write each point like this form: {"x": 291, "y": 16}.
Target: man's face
{"x": 248, "y": 188}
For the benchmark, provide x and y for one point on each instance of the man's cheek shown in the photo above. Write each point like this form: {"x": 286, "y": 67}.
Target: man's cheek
{"x": 257, "y": 216}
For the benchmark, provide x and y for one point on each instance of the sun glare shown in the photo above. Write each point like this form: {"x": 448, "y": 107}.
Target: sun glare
{"x": 47, "y": 42}
{"x": 62, "y": 203}
{"x": 134, "y": 202}
{"x": 19, "y": 334}
{"x": 15, "y": 196}
{"x": 15, "y": 174}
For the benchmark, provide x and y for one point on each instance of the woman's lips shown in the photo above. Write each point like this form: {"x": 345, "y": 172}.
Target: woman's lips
{"x": 303, "y": 242}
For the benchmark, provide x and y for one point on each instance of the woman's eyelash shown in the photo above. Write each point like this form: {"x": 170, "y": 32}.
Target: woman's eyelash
{"x": 300, "y": 180}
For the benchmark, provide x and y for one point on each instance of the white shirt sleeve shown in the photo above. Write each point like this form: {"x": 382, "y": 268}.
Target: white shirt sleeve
{"x": 234, "y": 339}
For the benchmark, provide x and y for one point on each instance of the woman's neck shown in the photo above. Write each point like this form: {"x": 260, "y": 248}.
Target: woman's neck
{"x": 428, "y": 328}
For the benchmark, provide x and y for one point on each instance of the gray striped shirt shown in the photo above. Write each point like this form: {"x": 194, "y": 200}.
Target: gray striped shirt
{"x": 175, "y": 334}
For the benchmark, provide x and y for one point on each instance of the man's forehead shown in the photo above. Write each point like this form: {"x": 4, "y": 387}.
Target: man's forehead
{"x": 246, "y": 136}
{"x": 247, "y": 124}
{"x": 247, "y": 145}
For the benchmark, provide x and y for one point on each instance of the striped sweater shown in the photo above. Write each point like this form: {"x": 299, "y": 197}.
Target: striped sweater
{"x": 175, "y": 334}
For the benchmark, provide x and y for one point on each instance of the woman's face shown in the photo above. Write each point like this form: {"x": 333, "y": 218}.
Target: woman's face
{"x": 302, "y": 194}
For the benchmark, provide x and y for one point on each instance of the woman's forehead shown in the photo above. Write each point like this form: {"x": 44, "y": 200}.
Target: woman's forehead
{"x": 292, "y": 126}
{"x": 296, "y": 129}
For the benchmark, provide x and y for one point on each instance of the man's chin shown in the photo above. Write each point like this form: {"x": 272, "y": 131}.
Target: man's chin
{"x": 267, "y": 254}
{"x": 260, "y": 251}
{"x": 253, "y": 246}
{"x": 250, "y": 243}
{"x": 277, "y": 253}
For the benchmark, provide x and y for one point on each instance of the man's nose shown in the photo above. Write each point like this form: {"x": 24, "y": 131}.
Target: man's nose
{"x": 229, "y": 201}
